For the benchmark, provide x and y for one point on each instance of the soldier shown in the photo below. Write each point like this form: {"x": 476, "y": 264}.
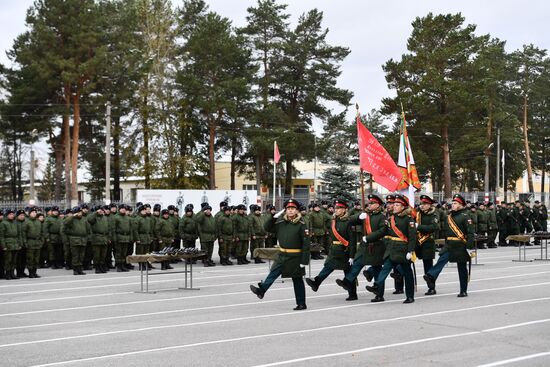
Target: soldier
{"x": 33, "y": 240}
{"x": 10, "y": 240}
{"x": 188, "y": 228}
{"x": 459, "y": 230}
{"x": 513, "y": 221}
{"x": 123, "y": 236}
{"x": 427, "y": 221}
{"x": 371, "y": 249}
{"x": 395, "y": 274}
{"x": 502, "y": 214}
{"x": 271, "y": 239}
{"x": 492, "y": 226}
{"x": 328, "y": 217}
{"x": 155, "y": 217}
{"x": 224, "y": 227}
{"x": 166, "y": 234}
{"x": 88, "y": 254}
{"x": 175, "y": 220}
{"x": 21, "y": 264}
{"x": 99, "y": 235}
{"x": 474, "y": 216}
{"x": 2, "y": 273}
{"x": 400, "y": 244}
{"x": 207, "y": 233}
{"x": 317, "y": 229}
{"x": 76, "y": 231}
{"x": 66, "y": 245}
{"x": 52, "y": 234}
{"x": 482, "y": 223}
{"x": 541, "y": 214}
{"x": 524, "y": 217}
{"x": 223, "y": 205}
{"x": 143, "y": 233}
{"x": 294, "y": 252}
{"x": 241, "y": 234}
{"x": 259, "y": 234}
{"x": 342, "y": 251}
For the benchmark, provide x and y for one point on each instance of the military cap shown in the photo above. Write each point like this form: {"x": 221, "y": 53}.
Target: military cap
{"x": 303, "y": 208}
{"x": 164, "y": 211}
{"x": 33, "y": 209}
{"x": 206, "y": 207}
{"x": 203, "y": 204}
{"x": 188, "y": 208}
{"x": 226, "y": 208}
{"x": 315, "y": 205}
{"x": 426, "y": 199}
{"x": 40, "y": 215}
{"x": 156, "y": 208}
{"x": 223, "y": 204}
{"x": 138, "y": 204}
{"x": 459, "y": 199}
{"x": 129, "y": 208}
{"x": 54, "y": 208}
{"x": 76, "y": 209}
{"x": 330, "y": 206}
{"x": 291, "y": 203}
{"x": 106, "y": 207}
{"x": 490, "y": 203}
{"x": 375, "y": 199}
{"x": 19, "y": 212}
{"x": 356, "y": 203}
{"x": 324, "y": 202}
{"x": 47, "y": 209}
{"x": 68, "y": 211}
{"x": 270, "y": 206}
{"x": 176, "y": 209}
{"x": 252, "y": 207}
{"x": 537, "y": 202}
{"x": 340, "y": 203}
{"x": 122, "y": 206}
{"x": 390, "y": 198}
{"x": 9, "y": 211}
{"x": 171, "y": 207}
{"x": 241, "y": 207}
{"x": 84, "y": 206}
{"x": 147, "y": 206}
{"x": 141, "y": 208}
{"x": 401, "y": 199}
{"x": 112, "y": 205}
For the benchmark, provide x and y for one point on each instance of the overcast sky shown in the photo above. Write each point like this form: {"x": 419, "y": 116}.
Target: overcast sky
{"x": 375, "y": 31}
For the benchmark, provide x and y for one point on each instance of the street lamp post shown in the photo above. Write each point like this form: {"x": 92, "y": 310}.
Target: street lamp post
{"x": 487, "y": 171}
{"x": 32, "y": 194}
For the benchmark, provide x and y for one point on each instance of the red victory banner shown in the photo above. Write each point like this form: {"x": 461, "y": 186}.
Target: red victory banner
{"x": 376, "y": 160}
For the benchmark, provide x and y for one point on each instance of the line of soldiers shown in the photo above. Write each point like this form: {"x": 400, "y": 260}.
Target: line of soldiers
{"x": 387, "y": 238}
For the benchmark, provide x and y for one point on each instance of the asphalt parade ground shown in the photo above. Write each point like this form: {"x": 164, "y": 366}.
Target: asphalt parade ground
{"x": 99, "y": 320}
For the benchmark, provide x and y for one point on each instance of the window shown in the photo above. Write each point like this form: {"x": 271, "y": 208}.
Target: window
{"x": 249, "y": 187}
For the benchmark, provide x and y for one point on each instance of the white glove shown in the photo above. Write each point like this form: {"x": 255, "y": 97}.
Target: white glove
{"x": 365, "y": 239}
{"x": 302, "y": 266}
{"x": 350, "y": 261}
{"x": 472, "y": 253}
{"x": 416, "y": 224}
{"x": 409, "y": 256}
{"x": 277, "y": 215}
{"x": 363, "y": 216}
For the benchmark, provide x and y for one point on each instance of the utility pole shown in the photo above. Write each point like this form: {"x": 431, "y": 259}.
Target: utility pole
{"x": 497, "y": 181}
{"x": 32, "y": 193}
{"x": 315, "y": 169}
{"x": 108, "y": 155}
{"x": 487, "y": 172}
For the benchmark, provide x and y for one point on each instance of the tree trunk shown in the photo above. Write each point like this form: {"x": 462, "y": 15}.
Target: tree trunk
{"x": 67, "y": 144}
{"x": 288, "y": 176}
{"x": 19, "y": 171}
{"x": 211, "y": 154}
{"x": 13, "y": 170}
{"x": 74, "y": 148}
{"x": 146, "y": 156}
{"x": 446, "y": 162}
{"x": 526, "y": 142}
{"x": 116, "y": 158}
{"x": 58, "y": 151}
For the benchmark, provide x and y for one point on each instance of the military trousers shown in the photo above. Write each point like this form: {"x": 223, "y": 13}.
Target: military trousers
{"x": 44, "y": 255}
{"x": 109, "y": 254}
{"x": 77, "y": 255}
{"x": 120, "y": 253}
{"x": 142, "y": 248}
{"x": 55, "y": 251}
{"x": 461, "y": 267}
{"x": 492, "y": 234}
{"x": 257, "y": 243}
{"x": 10, "y": 259}
{"x": 241, "y": 248}
{"x": 188, "y": 243}
{"x": 328, "y": 269}
{"x": 374, "y": 271}
{"x": 99, "y": 252}
{"x": 407, "y": 274}
{"x": 129, "y": 249}
{"x": 208, "y": 247}
{"x": 428, "y": 264}
{"x": 270, "y": 241}
{"x": 67, "y": 253}
{"x": 297, "y": 282}
{"x": 21, "y": 262}
{"x": 88, "y": 255}
{"x": 177, "y": 242}
{"x": 224, "y": 247}
{"x": 33, "y": 258}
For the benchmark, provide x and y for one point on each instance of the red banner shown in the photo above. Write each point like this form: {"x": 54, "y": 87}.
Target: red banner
{"x": 276, "y": 154}
{"x": 375, "y": 160}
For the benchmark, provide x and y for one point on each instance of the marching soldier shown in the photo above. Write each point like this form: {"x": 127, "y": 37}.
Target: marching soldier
{"x": 342, "y": 251}
{"x": 259, "y": 233}
{"x": 426, "y": 224}
{"x": 317, "y": 222}
{"x": 459, "y": 230}
{"x": 241, "y": 235}
{"x": 10, "y": 240}
{"x": 224, "y": 226}
{"x": 294, "y": 252}
{"x": 123, "y": 237}
{"x": 33, "y": 241}
{"x": 100, "y": 236}
{"x": 395, "y": 274}
{"x": 207, "y": 233}
{"x": 400, "y": 244}
{"x": 165, "y": 233}
{"x": 271, "y": 239}
{"x": 371, "y": 249}
{"x": 76, "y": 231}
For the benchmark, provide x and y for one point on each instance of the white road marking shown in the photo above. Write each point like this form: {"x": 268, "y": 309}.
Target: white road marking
{"x": 514, "y": 360}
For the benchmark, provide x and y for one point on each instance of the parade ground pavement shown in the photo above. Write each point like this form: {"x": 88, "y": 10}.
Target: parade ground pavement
{"x": 99, "y": 319}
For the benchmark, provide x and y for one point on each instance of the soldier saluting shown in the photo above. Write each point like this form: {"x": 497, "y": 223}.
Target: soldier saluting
{"x": 293, "y": 252}
{"x": 459, "y": 231}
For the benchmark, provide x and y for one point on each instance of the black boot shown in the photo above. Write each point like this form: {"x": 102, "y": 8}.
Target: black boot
{"x": 98, "y": 269}
{"x": 31, "y": 274}
{"x": 75, "y": 271}
{"x": 7, "y": 275}
{"x": 228, "y": 262}
{"x": 430, "y": 281}
{"x": 21, "y": 273}
{"x": 368, "y": 275}
{"x": 119, "y": 268}
{"x": 409, "y": 300}
{"x": 377, "y": 299}
{"x": 80, "y": 272}
{"x": 245, "y": 260}
{"x": 258, "y": 291}
{"x": 313, "y": 283}
{"x": 239, "y": 261}
{"x": 344, "y": 283}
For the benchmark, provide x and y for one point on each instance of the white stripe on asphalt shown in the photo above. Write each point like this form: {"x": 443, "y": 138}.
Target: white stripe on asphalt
{"x": 284, "y": 333}
{"x": 514, "y": 360}
{"x": 162, "y": 327}
{"x": 211, "y": 295}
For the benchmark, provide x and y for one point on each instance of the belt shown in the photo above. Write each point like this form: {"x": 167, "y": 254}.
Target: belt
{"x": 290, "y": 250}
{"x": 454, "y": 239}
{"x": 336, "y": 243}
{"x": 392, "y": 238}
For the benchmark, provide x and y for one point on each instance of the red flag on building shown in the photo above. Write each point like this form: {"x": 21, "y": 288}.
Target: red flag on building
{"x": 375, "y": 160}
{"x": 276, "y": 154}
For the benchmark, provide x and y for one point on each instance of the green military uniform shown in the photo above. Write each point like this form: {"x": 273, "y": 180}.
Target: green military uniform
{"x": 258, "y": 234}
{"x": 427, "y": 223}
{"x": 482, "y": 223}
{"x": 317, "y": 229}
{"x": 224, "y": 227}
{"x": 525, "y": 225}
{"x": 541, "y": 215}
{"x": 122, "y": 237}
{"x": 52, "y": 234}
{"x": 513, "y": 222}
{"x": 271, "y": 239}
{"x": 21, "y": 263}
{"x": 474, "y": 217}
{"x": 143, "y": 233}
{"x": 459, "y": 232}
{"x": 492, "y": 226}
{"x": 188, "y": 228}
{"x": 76, "y": 231}
{"x": 502, "y": 214}
{"x": 175, "y": 221}
{"x": 99, "y": 238}
{"x": 11, "y": 241}
{"x": 293, "y": 256}
{"x": 207, "y": 233}
{"x": 166, "y": 234}
{"x": 241, "y": 235}
{"x": 33, "y": 240}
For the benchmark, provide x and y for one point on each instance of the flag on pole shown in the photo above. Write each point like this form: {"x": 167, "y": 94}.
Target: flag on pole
{"x": 373, "y": 158}
{"x": 409, "y": 183}
{"x": 276, "y": 154}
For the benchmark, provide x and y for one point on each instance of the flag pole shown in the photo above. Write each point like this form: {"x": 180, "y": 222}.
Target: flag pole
{"x": 274, "y": 171}
{"x": 358, "y": 115}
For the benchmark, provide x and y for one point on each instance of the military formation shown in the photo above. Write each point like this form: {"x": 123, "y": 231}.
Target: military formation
{"x": 387, "y": 237}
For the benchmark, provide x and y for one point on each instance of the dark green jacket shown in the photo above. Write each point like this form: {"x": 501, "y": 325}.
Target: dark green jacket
{"x": 396, "y": 249}
{"x": 123, "y": 229}
{"x": 10, "y": 235}
{"x": 428, "y": 224}
{"x": 188, "y": 228}
{"x": 76, "y": 230}
{"x": 317, "y": 222}
{"x": 175, "y": 220}
{"x": 241, "y": 227}
{"x": 492, "y": 226}
{"x": 99, "y": 227}
{"x": 291, "y": 235}
{"x": 31, "y": 231}
{"x": 373, "y": 250}
{"x": 458, "y": 249}
{"x": 224, "y": 227}
{"x": 257, "y": 225}
{"x": 52, "y": 229}
{"x": 143, "y": 229}
{"x": 207, "y": 227}
{"x": 338, "y": 253}
{"x": 165, "y": 232}
{"x": 482, "y": 221}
